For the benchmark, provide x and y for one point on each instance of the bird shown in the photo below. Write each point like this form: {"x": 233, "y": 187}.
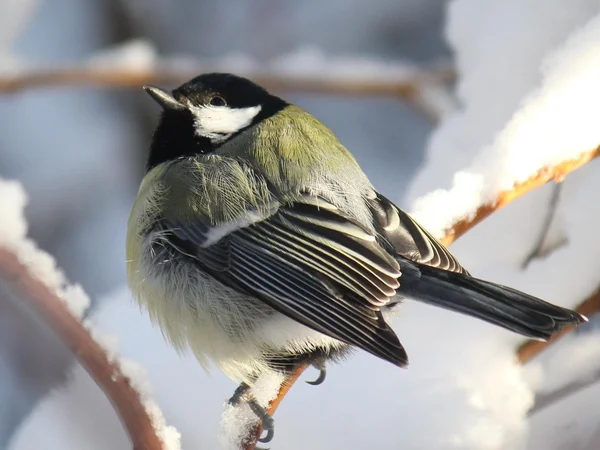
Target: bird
{"x": 257, "y": 242}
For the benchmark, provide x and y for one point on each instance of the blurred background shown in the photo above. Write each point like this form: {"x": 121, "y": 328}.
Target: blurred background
{"x": 80, "y": 151}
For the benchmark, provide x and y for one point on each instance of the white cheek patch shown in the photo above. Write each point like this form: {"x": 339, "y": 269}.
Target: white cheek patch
{"x": 219, "y": 122}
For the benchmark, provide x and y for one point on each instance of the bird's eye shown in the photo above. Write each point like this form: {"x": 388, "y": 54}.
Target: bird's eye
{"x": 217, "y": 101}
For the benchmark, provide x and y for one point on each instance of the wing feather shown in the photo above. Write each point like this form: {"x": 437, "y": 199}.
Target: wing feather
{"x": 310, "y": 262}
{"x": 312, "y": 306}
{"x": 409, "y": 239}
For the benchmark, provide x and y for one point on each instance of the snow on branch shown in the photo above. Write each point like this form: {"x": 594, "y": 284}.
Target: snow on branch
{"x": 136, "y": 63}
{"x": 32, "y": 276}
{"x": 555, "y": 173}
{"x": 251, "y": 438}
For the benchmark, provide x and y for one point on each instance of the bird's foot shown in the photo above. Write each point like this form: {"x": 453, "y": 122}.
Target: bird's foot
{"x": 243, "y": 394}
{"x": 239, "y": 394}
{"x": 266, "y": 420}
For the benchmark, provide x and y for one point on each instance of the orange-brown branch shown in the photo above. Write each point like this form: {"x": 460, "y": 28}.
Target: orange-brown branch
{"x": 531, "y": 348}
{"x": 91, "y": 355}
{"x": 283, "y": 390}
{"x": 556, "y": 173}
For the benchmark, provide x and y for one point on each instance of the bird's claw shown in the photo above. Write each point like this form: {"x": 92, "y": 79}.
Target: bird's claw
{"x": 268, "y": 437}
{"x": 322, "y": 375}
{"x": 242, "y": 394}
{"x": 266, "y": 420}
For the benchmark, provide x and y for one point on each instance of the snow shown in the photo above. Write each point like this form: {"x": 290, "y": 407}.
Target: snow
{"x": 543, "y": 132}
{"x": 303, "y": 62}
{"x": 13, "y": 226}
{"x": 13, "y": 229}
{"x": 237, "y": 421}
{"x": 498, "y": 60}
{"x": 137, "y": 378}
{"x": 313, "y": 62}
{"x": 41, "y": 265}
{"x": 138, "y": 54}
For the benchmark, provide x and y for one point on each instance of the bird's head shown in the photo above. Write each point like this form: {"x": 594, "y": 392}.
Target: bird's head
{"x": 202, "y": 114}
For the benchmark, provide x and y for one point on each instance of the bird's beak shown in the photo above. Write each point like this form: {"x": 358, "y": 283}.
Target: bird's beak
{"x": 163, "y": 98}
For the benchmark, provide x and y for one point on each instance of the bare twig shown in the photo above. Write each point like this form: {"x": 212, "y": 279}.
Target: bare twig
{"x": 537, "y": 251}
{"x": 91, "y": 355}
{"x": 425, "y": 88}
{"x": 543, "y": 401}
{"x": 117, "y": 77}
{"x": 529, "y": 351}
{"x": 530, "y": 348}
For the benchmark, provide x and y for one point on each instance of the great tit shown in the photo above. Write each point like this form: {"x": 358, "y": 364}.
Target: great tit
{"x": 257, "y": 241}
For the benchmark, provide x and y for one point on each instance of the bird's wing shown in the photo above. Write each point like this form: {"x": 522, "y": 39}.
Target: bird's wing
{"x": 310, "y": 262}
{"x": 409, "y": 239}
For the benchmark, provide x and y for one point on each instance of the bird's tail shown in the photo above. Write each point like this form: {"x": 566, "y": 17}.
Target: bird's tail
{"x": 499, "y": 305}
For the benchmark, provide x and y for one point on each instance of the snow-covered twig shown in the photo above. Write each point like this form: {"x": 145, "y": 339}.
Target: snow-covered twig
{"x": 255, "y": 433}
{"x": 108, "y": 375}
{"x": 555, "y": 173}
{"x": 425, "y": 92}
{"x": 531, "y": 348}
{"x": 136, "y": 63}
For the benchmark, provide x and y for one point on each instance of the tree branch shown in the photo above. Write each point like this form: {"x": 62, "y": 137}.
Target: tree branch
{"x": 107, "y": 375}
{"x": 165, "y": 73}
{"x": 556, "y": 173}
{"x": 538, "y": 248}
{"x": 424, "y": 88}
{"x": 256, "y": 432}
{"x": 528, "y": 351}
{"x": 530, "y": 348}
{"x": 544, "y": 400}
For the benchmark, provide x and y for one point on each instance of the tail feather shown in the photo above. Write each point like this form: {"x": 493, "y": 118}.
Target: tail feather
{"x": 494, "y": 303}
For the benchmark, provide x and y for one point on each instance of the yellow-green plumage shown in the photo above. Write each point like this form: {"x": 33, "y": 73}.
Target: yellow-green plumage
{"x": 275, "y": 162}
{"x": 293, "y": 149}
